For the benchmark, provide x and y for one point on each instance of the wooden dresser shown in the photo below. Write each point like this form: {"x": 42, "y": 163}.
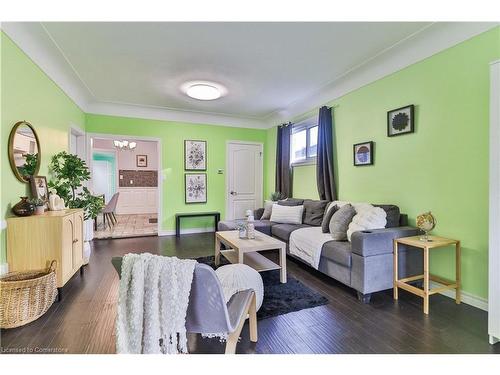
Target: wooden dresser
{"x": 34, "y": 241}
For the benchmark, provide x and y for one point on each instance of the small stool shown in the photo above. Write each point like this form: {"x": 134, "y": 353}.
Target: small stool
{"x": 237, "y": 277}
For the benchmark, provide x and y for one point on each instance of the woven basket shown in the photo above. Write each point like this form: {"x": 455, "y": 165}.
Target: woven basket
{"x": 25, "y": 296}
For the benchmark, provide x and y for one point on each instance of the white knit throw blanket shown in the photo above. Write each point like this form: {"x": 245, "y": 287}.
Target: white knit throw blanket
{"x": 152, "y": 304}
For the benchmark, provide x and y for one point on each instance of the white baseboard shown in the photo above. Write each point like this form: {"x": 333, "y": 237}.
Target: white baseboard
{"x": 4, "y": 268}
{"x": 185, "y": 231}
{"x": 469, "y": 299}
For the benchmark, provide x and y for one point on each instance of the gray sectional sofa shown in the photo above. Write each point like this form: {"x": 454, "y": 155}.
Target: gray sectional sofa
{"x": 366, "y": 263}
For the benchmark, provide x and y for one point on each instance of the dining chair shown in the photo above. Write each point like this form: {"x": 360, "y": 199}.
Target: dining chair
{"x": 109, "y": 211}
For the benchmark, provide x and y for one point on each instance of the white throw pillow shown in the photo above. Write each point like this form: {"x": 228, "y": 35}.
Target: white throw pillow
{"x": 367, "y": 217}
{"x": 287, "y": 214}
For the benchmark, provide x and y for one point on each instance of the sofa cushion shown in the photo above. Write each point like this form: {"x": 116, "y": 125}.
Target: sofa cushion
{"x": 329, "y": 211}
{"x": 314, "y": 211}
{"x": 291, "y": 202}
{"x": 283, "y": 231}
{"x": 263, "y": 226}
{"x": 393, "y": 214}
{"x": 338, "y": 252}
{"x": 340, "y": 222}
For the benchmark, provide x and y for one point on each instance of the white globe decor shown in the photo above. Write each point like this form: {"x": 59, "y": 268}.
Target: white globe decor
{"x": 237, "y": 277}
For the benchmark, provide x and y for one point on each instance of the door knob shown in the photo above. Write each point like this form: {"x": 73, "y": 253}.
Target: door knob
{"x": 232, "y": 192}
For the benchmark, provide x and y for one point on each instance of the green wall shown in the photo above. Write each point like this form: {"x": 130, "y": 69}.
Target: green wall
{"x": 28, "y": 94}
{"x": 304, "y": 182}
{"x": 172, "y": 136}
{"x": 442, "y": 167}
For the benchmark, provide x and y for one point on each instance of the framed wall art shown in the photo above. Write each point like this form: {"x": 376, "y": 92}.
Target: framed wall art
{"x": 195, "y": 155}
{"x": 195, "y": 188}
{"x": 400, "y": 121}
{"x": 363, "y": 154}
{"x": 141, "y": 160}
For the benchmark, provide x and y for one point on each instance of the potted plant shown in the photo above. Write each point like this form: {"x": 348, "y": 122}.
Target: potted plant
{"x": 69, "y": 173}
{"x": 39, "y": 205}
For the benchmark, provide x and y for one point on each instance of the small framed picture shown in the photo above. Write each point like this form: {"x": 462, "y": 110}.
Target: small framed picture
{"x": 363, "y": 153}
{"x": 195, "y": 155}
{"x": 196, "y": 188}
{"x": 141, "y": 160}
{"x": 39, "y": 188}
{"x": 400, "y": 121}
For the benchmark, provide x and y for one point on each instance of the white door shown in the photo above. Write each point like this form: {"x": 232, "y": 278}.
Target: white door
{"x": 101, "y": 173}
{"x": 244, "y": 179}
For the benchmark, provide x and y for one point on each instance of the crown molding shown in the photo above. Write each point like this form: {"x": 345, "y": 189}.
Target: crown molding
{"x": 32, "y": 39}
{"x": 165, "y": 114}
{"x": 37, "y": 44}
{"x": 421, "y": 45}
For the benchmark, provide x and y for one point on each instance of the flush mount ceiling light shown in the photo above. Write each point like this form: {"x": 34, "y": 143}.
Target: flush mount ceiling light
{"x": 203, "y": 90}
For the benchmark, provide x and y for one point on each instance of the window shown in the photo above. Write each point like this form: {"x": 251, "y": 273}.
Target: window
{"x": 304, "y": 141}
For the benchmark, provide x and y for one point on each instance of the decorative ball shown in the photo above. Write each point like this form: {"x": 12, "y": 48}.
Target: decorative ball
{"x": 237, "y": 277}
{"x": 426, "y": 221}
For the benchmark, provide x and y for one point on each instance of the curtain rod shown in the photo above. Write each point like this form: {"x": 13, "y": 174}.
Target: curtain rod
{"x": 290, "y": 123}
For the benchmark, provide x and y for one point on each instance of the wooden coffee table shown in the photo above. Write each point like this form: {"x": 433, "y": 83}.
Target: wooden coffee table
{"x": 246, "y": 251}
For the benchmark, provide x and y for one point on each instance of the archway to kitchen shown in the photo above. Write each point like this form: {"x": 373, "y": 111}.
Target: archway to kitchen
{"x": 125, "y": 171}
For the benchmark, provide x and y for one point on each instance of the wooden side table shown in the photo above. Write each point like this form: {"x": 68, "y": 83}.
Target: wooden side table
{"x": 433, "y": 243}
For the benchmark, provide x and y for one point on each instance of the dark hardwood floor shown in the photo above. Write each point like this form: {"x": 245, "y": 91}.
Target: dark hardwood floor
{"x": 83, "y": 322}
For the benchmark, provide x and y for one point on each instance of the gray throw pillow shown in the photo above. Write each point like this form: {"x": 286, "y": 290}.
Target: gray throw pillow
{"x": 268, "y": 209}
{"x": 340, "y": 222}
{"x": 314, "y": 211}
{"x": 329, "y": 211}
{"x": 393, "y": 214}
{"x": 291, "y": 202}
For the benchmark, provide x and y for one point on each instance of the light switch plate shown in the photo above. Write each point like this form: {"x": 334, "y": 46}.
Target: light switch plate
{"x": 4, "y": 224}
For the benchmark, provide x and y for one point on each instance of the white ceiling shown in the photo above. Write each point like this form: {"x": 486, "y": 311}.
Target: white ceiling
{"x": 267, "y": 67}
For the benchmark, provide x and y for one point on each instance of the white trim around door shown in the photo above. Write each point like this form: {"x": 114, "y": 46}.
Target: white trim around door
{"x": 79, "y": 134}
{"x": 260, "y": 176}
{"x": 494, "y": 222}
{"x": 90, "y": 136}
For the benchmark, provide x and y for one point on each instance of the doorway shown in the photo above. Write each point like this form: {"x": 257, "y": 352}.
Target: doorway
{"x": 244, "y": 183}
{"x": 125, "y": 172}
{"x": 104, "y": 173}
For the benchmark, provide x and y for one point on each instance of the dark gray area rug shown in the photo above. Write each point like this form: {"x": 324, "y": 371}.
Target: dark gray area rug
{"x": 279, "y": 298}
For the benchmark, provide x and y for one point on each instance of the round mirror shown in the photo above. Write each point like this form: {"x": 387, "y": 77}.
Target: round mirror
{"x": 24, "y": 151}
